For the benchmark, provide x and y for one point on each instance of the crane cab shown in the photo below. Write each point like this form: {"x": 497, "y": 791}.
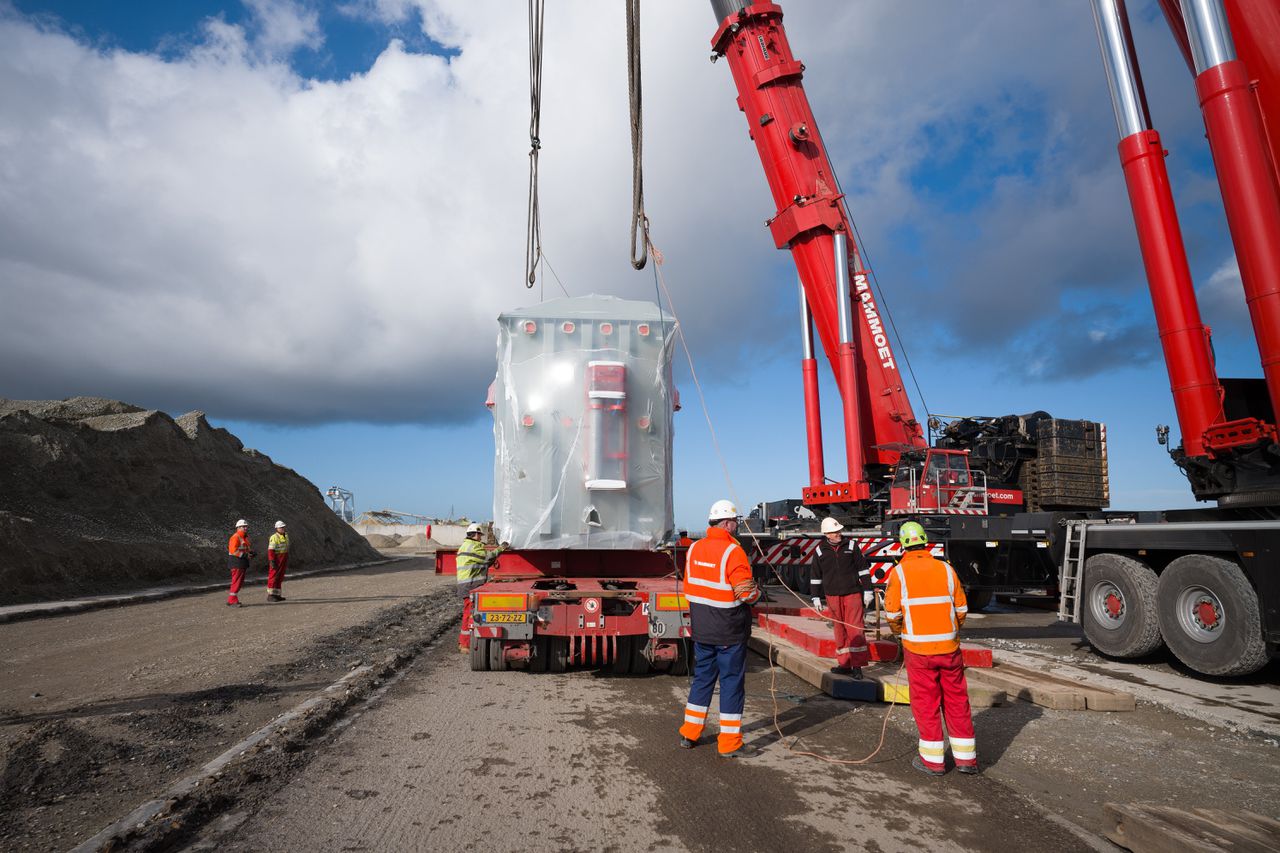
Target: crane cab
{"x": 934, "y": 481}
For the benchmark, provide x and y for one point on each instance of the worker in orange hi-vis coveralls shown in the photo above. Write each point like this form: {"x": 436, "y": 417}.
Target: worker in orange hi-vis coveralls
{"x": 277, "y": 562}
{"x": 720, "y": 590}
{"x": 238, "y": 554}
{"x": 925, "y": 604}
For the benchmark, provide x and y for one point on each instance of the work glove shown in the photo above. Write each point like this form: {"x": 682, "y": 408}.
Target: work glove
{"x": 817, "y": 604}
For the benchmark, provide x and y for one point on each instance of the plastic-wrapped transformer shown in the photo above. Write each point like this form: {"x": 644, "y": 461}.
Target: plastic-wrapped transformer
{"x": 582, "y": 421}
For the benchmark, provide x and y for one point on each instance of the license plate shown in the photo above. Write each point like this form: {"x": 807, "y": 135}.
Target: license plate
{"x": 506, "y": 617}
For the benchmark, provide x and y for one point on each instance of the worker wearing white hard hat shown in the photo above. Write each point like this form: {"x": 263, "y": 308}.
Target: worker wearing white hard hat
{"x": 239, "y": 550}
{"x": 277, "y": 562}
{"x": 720, "y": 590}
{"x": 472, "y": 566}
{"x": 838, "y": 572}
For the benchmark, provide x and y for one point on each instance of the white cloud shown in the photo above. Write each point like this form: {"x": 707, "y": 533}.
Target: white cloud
{"x": 209, "y": 230}
{"x": 284, "y": 26}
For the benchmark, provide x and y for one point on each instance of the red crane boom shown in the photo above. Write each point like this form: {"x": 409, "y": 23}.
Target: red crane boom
{"x": 813, "y": 222}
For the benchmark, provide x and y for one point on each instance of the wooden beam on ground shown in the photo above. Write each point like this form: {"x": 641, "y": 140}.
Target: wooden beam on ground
{"x": 880, "y": 682}
{"x": 1150, "y": 828}
{"x": 1050, "y": 691}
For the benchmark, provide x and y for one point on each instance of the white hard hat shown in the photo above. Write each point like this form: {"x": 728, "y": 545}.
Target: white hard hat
{"x": 830, "y": 525}
{"x": 721, "y": 510}
{"x": 242, "y": 523}
{"x": 473, "y": 528}
{"x": 279, "y": 524}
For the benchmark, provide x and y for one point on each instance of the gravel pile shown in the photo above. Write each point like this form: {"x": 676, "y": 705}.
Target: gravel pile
{"x": 98, "y": 495}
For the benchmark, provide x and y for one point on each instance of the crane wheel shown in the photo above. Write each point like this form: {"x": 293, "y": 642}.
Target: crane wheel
{"x": 1119, "y": 613}
{"x": 479, "y": 654}
{"x": 497, "y": 656}
{"x": 979, "y": 599}
{"x": 1210, "y": 617}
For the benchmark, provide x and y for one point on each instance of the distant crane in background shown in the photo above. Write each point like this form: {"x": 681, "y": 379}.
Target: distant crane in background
{"x": 342, "y": 502}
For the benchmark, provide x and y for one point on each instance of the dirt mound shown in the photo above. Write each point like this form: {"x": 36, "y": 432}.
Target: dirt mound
{"x": 382, "y": 542}
{"x": 100, "y": 495}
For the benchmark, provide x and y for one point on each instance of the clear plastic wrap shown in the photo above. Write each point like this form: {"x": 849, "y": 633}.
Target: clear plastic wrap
{"x": 582, "y": 422}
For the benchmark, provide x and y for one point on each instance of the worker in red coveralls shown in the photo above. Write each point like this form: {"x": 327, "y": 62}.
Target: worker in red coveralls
{"x": 277, "y": 562}
{"x": 838, "y": 569}
{"x": 925, "y": 604}
{"x": 238, "y": 554}
{"x": 720, "y": 590}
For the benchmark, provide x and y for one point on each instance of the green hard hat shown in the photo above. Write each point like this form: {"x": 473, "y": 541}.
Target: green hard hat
{"x": 911, "y": 534}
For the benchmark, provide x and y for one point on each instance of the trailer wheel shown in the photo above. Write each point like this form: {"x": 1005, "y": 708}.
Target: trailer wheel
{"x": 639, "y": 663}
{"x": 622, "y": 660}
{"x": 538, "y": 653}
{"x": 979, "y": 599}
{"x": 680, "y": 666}
{"x": 1210, "y": 617}
{"x": 1120, "y": 614}
{"x": 479, "y": 654}
{"x": 557, "y": 653}
{"x": 497, "y": 656}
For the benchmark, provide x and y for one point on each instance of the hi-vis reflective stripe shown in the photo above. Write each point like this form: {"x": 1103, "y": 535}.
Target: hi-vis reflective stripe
{"x": 964, "y": 748}
{"x": 730, "y": 724}
{"x": 710, "y": 602}
{"x": 695, "y": 714}
{"x": 932, "y": 750}
{"x": 895, "y": 615}
{"x": 932, "y": 599}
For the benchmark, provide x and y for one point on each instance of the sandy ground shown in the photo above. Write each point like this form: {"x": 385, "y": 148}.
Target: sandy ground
{"x": 453, "y": 759}
{"x": 104, "y": 709}
{"x": 97, "y": 709}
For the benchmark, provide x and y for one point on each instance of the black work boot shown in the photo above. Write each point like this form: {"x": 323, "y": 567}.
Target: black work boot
{"x": 918, "y": 763}
{"x": 685, "y": 743}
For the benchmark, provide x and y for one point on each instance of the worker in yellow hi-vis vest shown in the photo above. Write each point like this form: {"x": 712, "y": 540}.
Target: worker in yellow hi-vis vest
{"x": 473, "y": 569}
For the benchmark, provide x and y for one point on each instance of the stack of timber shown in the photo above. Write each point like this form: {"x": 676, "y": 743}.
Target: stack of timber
{"x": 1070, "y": 469}
{"x": 1149, "y": 828}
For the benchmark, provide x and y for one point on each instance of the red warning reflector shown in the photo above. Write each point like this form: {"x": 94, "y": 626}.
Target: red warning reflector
{"x": 643, "y": 329}
{"x": 530, "y": 327}
{"x": 527, "y": 420}
{"x": 643, "y": 423}
{"x": 606, "y": 328}
{"x": 568, "y": 327}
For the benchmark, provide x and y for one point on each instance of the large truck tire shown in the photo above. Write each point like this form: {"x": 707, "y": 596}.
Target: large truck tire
{"x": 1210, "y": 616}
{"x": 622, "y": 659}
{"x": 639, "y": 663}
{"x": 479, "y": 654}
{"x": 497, "y": 657}
{"x": 538, "y": 654}
{"x": 682, "y": 663}
{"x": 1120, "y": 615}
{"x": 557, "y": 654}
{"x": 979, "y": 599}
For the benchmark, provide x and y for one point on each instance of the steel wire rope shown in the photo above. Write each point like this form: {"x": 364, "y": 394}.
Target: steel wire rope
{"x": 533, "y": 220}
{"x": 773, "y": 670}
{"x": 639, "y": 221}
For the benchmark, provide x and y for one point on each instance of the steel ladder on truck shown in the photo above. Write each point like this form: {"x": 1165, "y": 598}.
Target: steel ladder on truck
{"x": 1071, "y": 573}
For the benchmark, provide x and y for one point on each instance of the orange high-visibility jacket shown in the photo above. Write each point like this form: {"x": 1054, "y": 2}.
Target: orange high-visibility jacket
{"x": 238, "y": 546}
{"x": 925, "y": 603}
{"x": 713, "y": 567}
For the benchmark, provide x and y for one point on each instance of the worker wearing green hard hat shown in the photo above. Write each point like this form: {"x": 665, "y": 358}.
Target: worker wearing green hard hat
{"x": 912, "y": 534}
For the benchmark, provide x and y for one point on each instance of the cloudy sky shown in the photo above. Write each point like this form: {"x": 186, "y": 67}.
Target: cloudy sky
{"x": 302, "y": 218}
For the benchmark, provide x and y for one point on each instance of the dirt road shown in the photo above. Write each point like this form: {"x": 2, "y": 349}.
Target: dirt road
{"x": 453, "y": 759}
{"x": 104, "y": 710}
{"x": 99, "y": 709}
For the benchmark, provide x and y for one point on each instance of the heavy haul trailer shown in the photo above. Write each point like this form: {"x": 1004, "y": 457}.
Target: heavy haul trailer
{"x": 582, "y": 406}
{"x": 1204, "y": 581}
